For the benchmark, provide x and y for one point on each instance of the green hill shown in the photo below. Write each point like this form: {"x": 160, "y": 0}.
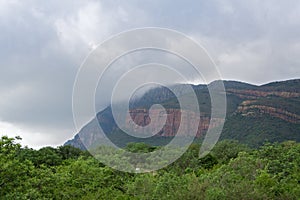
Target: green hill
{"x": 255, "y": 114}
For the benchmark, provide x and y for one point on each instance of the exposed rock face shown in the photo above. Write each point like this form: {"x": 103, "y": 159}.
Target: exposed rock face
{"x": 247, "y": 109}
{"x": 181, "y": 122}
{"x": 187, "y": 121}
{"x": 250, "y": 107}
{"x": 254, "y": 94}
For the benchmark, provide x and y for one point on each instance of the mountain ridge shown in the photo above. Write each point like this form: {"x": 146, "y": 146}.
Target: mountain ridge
{"x": 278, "y": 100}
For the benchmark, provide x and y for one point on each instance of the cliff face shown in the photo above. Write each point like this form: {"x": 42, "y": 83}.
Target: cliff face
{"x": 139, "y": 118}
{"x": 247, "y": 108}
{"x": 254, "y": 94}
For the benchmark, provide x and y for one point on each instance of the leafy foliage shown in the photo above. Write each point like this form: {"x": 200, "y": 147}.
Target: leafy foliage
{"x": 231, "y": 171}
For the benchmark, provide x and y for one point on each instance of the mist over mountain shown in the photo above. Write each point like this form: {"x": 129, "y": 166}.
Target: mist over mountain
{"x": 255, "y": 114}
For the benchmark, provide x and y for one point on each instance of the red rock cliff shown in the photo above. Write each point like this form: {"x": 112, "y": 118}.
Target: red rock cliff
{"x": 175, "y": 118}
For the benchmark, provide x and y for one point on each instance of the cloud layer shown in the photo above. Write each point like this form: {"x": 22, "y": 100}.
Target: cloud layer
{"x": 44, "y": 43}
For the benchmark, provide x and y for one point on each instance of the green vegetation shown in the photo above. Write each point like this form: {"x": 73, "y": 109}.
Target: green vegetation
{"x": 256, "y": 130}
{"x": 231, "y": 171}
{"x": 254, "y": 114}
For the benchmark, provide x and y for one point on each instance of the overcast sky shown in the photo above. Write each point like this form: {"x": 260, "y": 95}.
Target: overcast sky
{"x": 43, "y": 43}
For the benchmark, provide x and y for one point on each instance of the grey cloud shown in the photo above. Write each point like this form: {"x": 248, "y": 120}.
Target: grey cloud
{"x": 44, "y": 43}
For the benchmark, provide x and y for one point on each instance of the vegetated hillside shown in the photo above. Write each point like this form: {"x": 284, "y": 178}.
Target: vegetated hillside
{"x": 288, "y": 86}
{"x": 255, "y": 114}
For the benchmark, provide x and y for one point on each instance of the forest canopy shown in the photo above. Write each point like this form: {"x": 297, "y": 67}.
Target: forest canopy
{"x": 230, "y": 171}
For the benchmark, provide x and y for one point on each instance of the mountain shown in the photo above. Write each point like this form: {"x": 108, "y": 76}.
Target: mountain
{"x": 255, "y": 114}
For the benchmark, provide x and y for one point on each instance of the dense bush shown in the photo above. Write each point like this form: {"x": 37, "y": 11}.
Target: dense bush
{"x": 230, "y": 171}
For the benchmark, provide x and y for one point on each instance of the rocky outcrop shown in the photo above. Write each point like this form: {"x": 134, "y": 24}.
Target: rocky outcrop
{"x": 248, "y": 108}
{"x": 254, "y": 94}
{"x": 183, "y": 122}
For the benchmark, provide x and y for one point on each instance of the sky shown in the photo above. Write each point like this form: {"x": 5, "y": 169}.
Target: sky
{"x": 43, "y": 43}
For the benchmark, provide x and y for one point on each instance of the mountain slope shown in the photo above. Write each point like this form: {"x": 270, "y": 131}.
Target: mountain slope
{"x": 255, "y": 114}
